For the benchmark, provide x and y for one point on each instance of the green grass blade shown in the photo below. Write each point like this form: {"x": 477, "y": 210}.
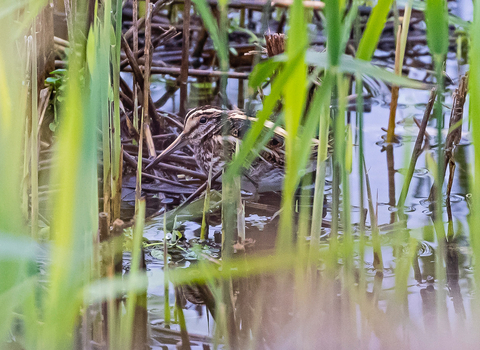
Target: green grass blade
{"x": 474, "y": 87}
{"x": 269, "y": 104}
{"x": 374, "y": 29}
{"x": 211, "y": 24}
{"x": 334, "y": 31}
{"x": 437, "y": 26}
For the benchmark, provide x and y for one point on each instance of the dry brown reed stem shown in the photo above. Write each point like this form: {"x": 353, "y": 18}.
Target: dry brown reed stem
{"x": 45, "y": 44}
{"x": 198, "y": 192}
{"x": 44, "y": 99}
{"x": 417, "y": 150}
{"x": 391, "y": 180}
{"x": 103, "y": 228}
{"x": 181, "y": 170}
{"x": 241, "y": 85}
{"x": 185, "y": 58}
{"x": 127, "y": 101}
{"x": 117, "y": 202}
{"x": 158, "y": 5}
{"x": 454, "y": 134}
{"x": 172, "y": 332}
{"x": 185, "y": 343}
{"x": 139, "y": 77}
{"x": 167, "y": 181}
{"x": 275, "y": 44}
{"x": 395, "y": 89}
{"x": 259, "y": 5}
{"x": 133, "y": 163}
{"x": 107, "y": 258}
{"x": 193, "y": 72}
{"x": 112, "y": 258}
{"x": 201, "y": 41}
{"x": 117, "y": 242}
{"x": 169, "y": 34}
{"x": 147, "y": 100}
{"x": 61, "y": 42}
{"x": 122, "y": 82}
{"x": 146, "y": 79}
{"x": 140, "y": 318}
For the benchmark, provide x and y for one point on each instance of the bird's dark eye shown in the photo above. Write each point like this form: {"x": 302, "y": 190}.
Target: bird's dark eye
{"x": 203, "y": 120}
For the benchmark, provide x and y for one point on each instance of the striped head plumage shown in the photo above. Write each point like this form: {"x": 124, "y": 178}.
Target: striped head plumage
{"x": 210, "y": 129}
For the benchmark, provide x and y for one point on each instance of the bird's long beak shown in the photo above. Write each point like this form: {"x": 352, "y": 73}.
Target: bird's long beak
{"x": 179, "y": 142}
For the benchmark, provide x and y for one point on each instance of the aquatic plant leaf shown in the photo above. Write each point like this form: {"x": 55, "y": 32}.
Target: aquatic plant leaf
{"x": 91, "y": 48}
{"x": 474, "y": 90}
{"x": 374, "y": 29}
{"x": 211, "y": 24}
{"x": 348, "y": 23}
{"x": 255, "y": 131}
{"x": 349, "y": 64}
{"x": 437, "y": 26}
{"x": 352, "y": 65}
{"x": 334, "y": 31}
{"x": 349, "y": 150}
{"x": 303, "y": 150}
{"x": 294, "y": 94}
{"x": 261, "y": 72}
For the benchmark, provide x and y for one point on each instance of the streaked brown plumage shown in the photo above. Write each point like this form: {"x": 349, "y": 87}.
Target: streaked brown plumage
{"x": 208, "y": 129}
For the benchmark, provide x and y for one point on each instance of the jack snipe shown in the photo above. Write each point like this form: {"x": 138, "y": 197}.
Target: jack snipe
{"x": 209, "y": 129}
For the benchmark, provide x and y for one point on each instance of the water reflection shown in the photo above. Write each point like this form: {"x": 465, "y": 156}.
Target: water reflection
{"x": 264, "y": 304}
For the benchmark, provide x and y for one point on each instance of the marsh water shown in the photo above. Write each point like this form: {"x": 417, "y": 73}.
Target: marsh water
{"x": 386, "y": 167}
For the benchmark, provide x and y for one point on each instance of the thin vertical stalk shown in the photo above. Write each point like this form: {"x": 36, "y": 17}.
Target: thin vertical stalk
{"x": 34, "y": 135}
{"x": 294, "y": 104}
{"x": 395, "y": 89}
{"x": 362, "y": 279}
{"x": 229, "y": 213}
{"x": 26, "y": 173}
{"x": 116, "y": 148}
{"x": 436, "y": 18}
{"x": 415, "y": 154}
{"x": 404, "y": 35}
{"x": 143, "y": 118}
{"x": 135, "y": 261}
{"x": 241, "y": 87}
{"x": 302, "y": 285}
{"x": 185, "y": 58}
{"x": 401, "y": 42}
{"x": 439, "y": 179}
{"x": 181, "y": 321}
{"x": 317, "y": 211}
{"x": 102, "y": 34}
{"x": 474, "y": 87}
{"x": 347, "y": 311}
{"x": 361, "y": 178}
{"x": 376, "y": 243}
{"x": 166, "y": 285}
{"x": 146, "y": 79}
{"x": 206, "y": 206}
{"x": 75, "y": 206}
{"x": 135, "y": 55}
